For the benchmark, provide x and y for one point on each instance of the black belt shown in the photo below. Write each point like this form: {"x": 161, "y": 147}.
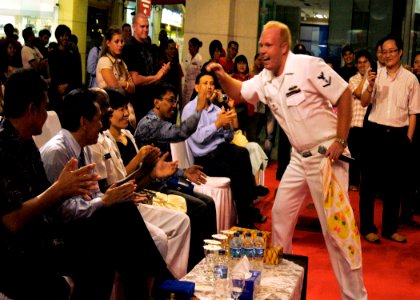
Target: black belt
{"x": 389, "y": 129}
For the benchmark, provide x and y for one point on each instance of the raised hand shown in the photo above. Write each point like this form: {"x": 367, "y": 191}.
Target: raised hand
{"x": 73, "y": 181}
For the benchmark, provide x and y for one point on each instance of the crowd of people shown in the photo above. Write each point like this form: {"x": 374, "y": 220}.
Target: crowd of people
{"x": 76, "y": 212}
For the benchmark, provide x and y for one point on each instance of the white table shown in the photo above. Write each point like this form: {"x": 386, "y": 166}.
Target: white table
{"x": 282, "y": 282}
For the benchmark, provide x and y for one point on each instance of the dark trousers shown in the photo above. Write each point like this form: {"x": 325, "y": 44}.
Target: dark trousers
{"x": 113, "y": 239}
{"x": 32, "y": 274}
{"x": 231, "y": 161}
{"x": 384, "y": 167}
{"x": 202, "y": 213}
{"x": 356, "y": 144}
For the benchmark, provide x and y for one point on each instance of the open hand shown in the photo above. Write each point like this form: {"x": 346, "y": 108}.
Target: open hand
{"x": 164, "y": 168}
{"x": 195, "y": 174}
{"x": 73, "y": 181}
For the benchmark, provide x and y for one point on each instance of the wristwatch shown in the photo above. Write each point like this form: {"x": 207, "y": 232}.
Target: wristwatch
{"x": 341, "y": 141}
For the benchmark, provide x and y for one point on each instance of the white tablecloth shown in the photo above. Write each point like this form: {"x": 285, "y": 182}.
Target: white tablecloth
{"x": 282, "y": 282}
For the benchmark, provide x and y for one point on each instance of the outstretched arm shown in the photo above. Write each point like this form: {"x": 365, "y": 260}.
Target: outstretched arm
{"x": 231, "y": 86}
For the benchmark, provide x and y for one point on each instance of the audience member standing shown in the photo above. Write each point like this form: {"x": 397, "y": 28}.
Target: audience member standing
{"x": 192, "y": 67}
{"x": 138, "y": 57}
{"x": 10, "y": 60}
{"x": 245, "y": 112}
{"x": 65, "y": 68}
{"x": 227, "y": 62}
{"x": 111, "y": 71}
{"x": 93, "y": 57}
{"x": 298, "y": 89}
{"x": 42, "y": 41}
{"x": 175, "y": 74}
{"x": 215, "y": 50}
{"x": 31, "y": 57}
{"x": 357, "y": 84}
{"x": 395, "y": 98}
{"x": 127, "y": 34}
{"x": 10, "y": 36}
{"x": 416, "y": 65}
{"x": 411, "y": 204}
{"x": 348, "y": 70}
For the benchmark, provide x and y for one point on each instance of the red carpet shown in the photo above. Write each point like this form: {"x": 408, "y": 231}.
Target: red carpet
{"x": 391, "y": 270}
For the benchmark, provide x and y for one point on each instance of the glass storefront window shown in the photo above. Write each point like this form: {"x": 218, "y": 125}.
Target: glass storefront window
{"x": 326, "y": 26}
{"x": 38, "y": 14}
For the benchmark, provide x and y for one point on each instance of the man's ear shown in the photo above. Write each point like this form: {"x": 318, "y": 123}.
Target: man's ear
{"x": 32, "y": 109}
{"x": 196, "y": 88}
{"x": 156, "y": 103}
{"x": 83, "y": 123}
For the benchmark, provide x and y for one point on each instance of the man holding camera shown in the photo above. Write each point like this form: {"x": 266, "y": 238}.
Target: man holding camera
{"x": 211, "y": 147}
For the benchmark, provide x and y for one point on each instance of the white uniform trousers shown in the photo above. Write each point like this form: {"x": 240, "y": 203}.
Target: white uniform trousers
{"x": 171, "y": 232}
{"x": 302, "y": 182}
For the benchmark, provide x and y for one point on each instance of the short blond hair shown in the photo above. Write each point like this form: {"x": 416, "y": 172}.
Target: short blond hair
{"x": 285, "y": 35}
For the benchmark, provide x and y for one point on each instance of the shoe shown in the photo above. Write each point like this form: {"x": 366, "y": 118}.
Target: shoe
{"x": 372, "y": 238}
{"x": 261, "y": 190}
{"x": 396, "y": 237}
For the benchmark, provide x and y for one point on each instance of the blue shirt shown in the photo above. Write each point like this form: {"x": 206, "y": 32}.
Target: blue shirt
{"x": 55, "y": 154}
{"x": 207, "y": 137}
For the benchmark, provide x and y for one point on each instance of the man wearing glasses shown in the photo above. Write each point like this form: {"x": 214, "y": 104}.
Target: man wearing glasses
{"x": 395, "y": 98}
{"x": 155, "y": 128}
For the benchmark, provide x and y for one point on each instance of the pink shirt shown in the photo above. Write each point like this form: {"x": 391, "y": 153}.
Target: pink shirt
{"x": 394, "y": 100}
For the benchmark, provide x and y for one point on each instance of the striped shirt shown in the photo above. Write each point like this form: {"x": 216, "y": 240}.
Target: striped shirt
{"x": 358, "y": 110}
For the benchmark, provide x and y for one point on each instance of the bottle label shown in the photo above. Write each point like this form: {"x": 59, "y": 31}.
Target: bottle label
{"x": 220, "y": 271}
{"x": 259, "y": 252}
{"x": 248, "y": 252}
{"x": 235, "y": 252}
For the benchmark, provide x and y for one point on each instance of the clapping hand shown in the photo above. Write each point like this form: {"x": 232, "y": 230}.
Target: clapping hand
{"x": 164, "y": 168}
{"x": 195, "y": 174}
{"x": 73, "y": 181}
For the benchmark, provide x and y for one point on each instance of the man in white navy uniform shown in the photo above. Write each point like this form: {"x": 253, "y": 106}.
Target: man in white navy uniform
{"x": 300, "y": 90}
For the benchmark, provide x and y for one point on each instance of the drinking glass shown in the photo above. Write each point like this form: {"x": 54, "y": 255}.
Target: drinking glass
{"x": 210, "y": 252}
{"x": 237, "y": 281}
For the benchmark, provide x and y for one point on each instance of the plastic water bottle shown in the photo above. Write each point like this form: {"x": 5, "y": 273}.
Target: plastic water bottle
{"x": 259, "y": 248}
{"x": 221, "y": 274}
{"x": 248, "y": 246}
{"x": 235, "y": 247}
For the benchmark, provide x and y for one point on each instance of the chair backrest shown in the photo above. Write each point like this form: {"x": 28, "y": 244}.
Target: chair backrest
{"x": 51, "y": 126}
{"x": 182, "y": 153}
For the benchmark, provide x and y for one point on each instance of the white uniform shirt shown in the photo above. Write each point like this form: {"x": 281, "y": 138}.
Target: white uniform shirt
{"x": 298, "y": 99}
{"x": 394, "y": 100}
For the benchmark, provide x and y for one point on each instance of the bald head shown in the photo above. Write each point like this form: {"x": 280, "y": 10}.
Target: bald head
{"x": 140, "y": 27}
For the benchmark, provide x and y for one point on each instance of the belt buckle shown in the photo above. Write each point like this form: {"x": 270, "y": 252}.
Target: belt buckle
{"x": 306, "y": 153}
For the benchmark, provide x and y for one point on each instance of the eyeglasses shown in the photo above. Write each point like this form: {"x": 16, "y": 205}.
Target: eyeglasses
{"x": 391, "y": 52}
{"x": 172, "y": 99}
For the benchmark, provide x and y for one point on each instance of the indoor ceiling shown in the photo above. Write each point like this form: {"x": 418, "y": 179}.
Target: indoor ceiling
{"x": 310, "y": 9}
